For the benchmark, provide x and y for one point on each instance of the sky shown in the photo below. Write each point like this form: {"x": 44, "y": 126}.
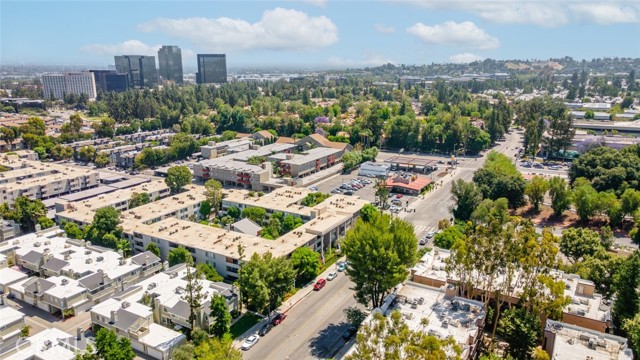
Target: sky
{"x": 317, "y": 33}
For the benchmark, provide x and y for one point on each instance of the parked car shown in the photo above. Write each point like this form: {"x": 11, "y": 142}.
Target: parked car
{"x": 332, "y": 275}
{"x": 341, "y": 266}
{"x": 430, "y": 234}
{"x": 250, "y": 342}
{"x": 336, "y": 191}
{"x": 319, "y": 284}
{"x": 350, "y": 332}
{"x": 313, "y": 188}
{"x": 348, "y": 192}
{"x": 265, "y": 329}
{"x": 278, "y": 319}
{"x": 538, "y": 166}
{"x": 399, "y": 196}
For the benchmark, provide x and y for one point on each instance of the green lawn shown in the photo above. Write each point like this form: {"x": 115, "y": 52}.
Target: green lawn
{"x": 329, "y": 259}
{"x": 243, "y": 324}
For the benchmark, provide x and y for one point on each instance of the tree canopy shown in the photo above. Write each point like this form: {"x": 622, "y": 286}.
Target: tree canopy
{"x": 177, "y": 178}
{"x": 380, "y": 253}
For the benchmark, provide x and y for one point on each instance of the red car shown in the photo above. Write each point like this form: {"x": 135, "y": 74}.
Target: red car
{"x": 319, "y": 284}
{"x": 399, "y": 196}
{"x": 278, "y": 319}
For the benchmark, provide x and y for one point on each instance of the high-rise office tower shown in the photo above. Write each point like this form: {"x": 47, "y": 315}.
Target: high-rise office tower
{"x": 212, "y": 68}
{"x": 110, "y": 80}
{"x": 140, "y": 69}
{"x": 57, "y": 86}
{"x": 170, "y": 63}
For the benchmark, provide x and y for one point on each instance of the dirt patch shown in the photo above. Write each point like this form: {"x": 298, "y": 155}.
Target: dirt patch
{"x": 443, "y": 174}
{"x": 546, "y": 218}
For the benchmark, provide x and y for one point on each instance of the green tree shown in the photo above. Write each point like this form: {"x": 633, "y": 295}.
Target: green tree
{"x": 626, "y": 282}
{"x": 521, "y": 330}
{"x": 256, "y": 214}
{"x": 447, "y": 237}
{"x": 467, "y": 197}
{"x": 213, "y": 192}
{"x": 264, "y": 281}
{"x": 45, "y": 222}
{"x": 73, "y": 231}
{"x": 139, "y": 199}
{"x": 193, "y": 295}
{"x": 630, "y": 201}
{"x": 579, "y": 243}
{"x": 561, "y": 196}
{"x": 111, "y": 347}
{"x": 382, "y": 193}
{"x": 102, "y": 160}
{"x": 205, "y": 209}
{"x": 209, "y": 272}
{"x": 87, "y": 153}
{"x": 177, "y": 178}
{"x": 380, "y": 252}
{"x": 106, "y": 220}
{"x": 535, "y": 190}
{"x": 29, "y": 211}
{"x": 585, "y": 198}
{"x": 368, "y": 212}
{"x": 306, "y": 262}
{"x": 220, "y": 314}
{"x": 489, "y": 211}
{"x": 153, "y": 247}
{"x": 186, "y": 351}
{"x": 391, "y": 338}
{"x": 233, "y": 211}
{"x": 632, "y": 329}
{"x": 180, "y": 255}
{"x": 217, "y": 349}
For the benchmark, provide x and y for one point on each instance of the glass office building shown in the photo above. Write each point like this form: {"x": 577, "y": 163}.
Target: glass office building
{"x": 170, "y": 63}
{"x": 212, "y": 69}
{"x": 140, "y": 69}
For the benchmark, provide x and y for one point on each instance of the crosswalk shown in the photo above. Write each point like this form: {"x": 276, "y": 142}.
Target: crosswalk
{"x": 421, "y": 230}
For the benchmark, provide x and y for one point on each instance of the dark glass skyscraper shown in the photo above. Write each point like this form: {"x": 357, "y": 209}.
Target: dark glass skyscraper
{"x": 212, "y": 69}
{"x": 170, "y": 63}
{"x": 140, "y": 69}
{"x": 110, "y": 80}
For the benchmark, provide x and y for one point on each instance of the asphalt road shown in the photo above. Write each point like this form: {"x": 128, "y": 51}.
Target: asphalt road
{"x": 436, "y": 204}
{"x": 313, "y": 328}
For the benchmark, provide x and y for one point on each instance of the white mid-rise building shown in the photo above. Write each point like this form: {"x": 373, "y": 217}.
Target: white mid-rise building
{"x": 59, "y": 85}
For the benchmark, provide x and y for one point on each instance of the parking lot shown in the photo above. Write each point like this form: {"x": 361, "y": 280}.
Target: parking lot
{"x": 546, "y": 169}
{"x": 367, "y": 192}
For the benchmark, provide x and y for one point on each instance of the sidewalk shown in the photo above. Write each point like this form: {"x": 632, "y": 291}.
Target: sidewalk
{"x": 289, "y": 303}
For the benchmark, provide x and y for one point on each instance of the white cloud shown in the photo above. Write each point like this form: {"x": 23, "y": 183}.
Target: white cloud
{"x": 464, "y": 58}
{"x": 368, "y": 60}
{"x": 320, "y": 3}
{"x": 278, "y": 29}
{"x": 381, "y": 28}
{"x": 544, "y": 13}
{"x": 607, "y": 13}
{"x": 133, "y": 47}
{"x": 464, "y": 35}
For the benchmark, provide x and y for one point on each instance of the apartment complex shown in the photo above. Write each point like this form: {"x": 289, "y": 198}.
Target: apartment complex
{"x": 135, "y": 321}
{"x": 587, "y": 308}
{"x": 48, "y": 344}
{"x": 567, "y": 341}
{"x": 38, "y": 180}
{"x": 212, "y": 69}
{"x": 57, "y": 86}
{"x": 11, "y": 323}
{"x": 140, "y": 70}
{"x": 169, "y": 223}
{"x": 164, "y": 293}
{"x": 448, "y": 316}
{"x": 308, "y": 162}
{"x": 170, "y": 64}
{"x": 243, "y": 163}
{"x": 70, "y": 276}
